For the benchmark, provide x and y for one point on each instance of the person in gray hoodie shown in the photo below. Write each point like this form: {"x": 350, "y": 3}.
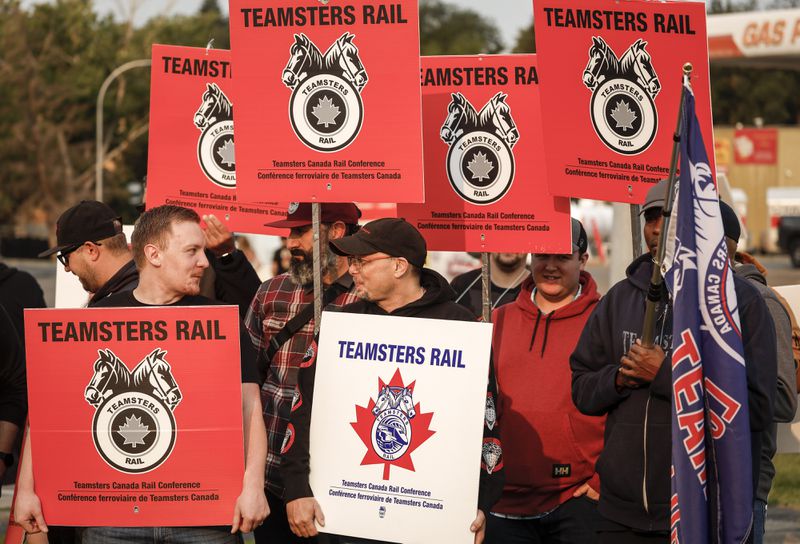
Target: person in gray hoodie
{"x": 785, "y": 404}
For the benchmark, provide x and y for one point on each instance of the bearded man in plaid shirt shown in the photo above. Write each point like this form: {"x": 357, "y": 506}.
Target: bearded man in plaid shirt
{"x": 288, "y": 299}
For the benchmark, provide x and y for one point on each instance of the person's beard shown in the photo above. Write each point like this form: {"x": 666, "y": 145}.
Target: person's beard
{"x": 509, "y": 264}
{"x": 302, "y": 270}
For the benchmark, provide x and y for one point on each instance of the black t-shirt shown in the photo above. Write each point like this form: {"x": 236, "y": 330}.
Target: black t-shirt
{"x": 248, "y": 353}
{"x": 469, "y": 292}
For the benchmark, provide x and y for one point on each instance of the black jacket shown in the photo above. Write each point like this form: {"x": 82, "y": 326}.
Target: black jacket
{"x": 634, "y": 467}
{"x": 19, "y": 290}
{"x": 13, "y": 387}
{"x": 235, "y": 282}
{"x": 436, "y": 303}
{"x": 634, "y": 464}
{"x": 126, "y": 279}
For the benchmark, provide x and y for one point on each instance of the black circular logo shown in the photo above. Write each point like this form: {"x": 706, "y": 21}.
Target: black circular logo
{"x": 133, "y": 431}
{"x": 223, "y": 153}
{"x": 480, "y": 166}
{"x": 623, "y": 115}
{"x": 326, "y": 111}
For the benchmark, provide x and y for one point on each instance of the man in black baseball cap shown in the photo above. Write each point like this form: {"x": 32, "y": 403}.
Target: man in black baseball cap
{"x": 386, "y": 260}
{"x": 90, "y": 244}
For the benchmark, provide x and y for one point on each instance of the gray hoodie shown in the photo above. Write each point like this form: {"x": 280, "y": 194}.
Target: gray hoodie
{"x": 786, "y": 395}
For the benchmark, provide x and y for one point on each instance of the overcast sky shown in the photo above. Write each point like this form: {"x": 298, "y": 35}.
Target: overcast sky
{"x": 508, "y": 15}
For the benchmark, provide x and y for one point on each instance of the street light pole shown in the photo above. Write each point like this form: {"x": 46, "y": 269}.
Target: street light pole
{"x": 101, "y": 96}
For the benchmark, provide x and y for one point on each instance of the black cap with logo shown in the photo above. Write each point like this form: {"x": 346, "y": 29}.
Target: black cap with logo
{"x": 88, "y": 221}
{"x": 390, "y": 235}
{"x": 580, "y": 241}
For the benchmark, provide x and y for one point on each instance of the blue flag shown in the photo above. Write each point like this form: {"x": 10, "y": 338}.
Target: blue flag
{"x": 712, "y": 495}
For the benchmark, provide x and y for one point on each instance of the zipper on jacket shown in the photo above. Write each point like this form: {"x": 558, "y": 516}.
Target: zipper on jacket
{"x": 644, "y": 475}
{"x": 646, "y": 415}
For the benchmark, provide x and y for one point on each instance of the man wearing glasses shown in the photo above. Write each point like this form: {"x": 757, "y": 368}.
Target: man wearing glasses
{"x": 386, "y": 260}
{"x": 92, "y": 246}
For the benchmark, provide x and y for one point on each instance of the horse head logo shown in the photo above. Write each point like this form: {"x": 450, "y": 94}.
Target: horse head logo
{"x": 345, "y": 53}
{"x": 405, "y": 402}
{"x": 325, "y": 107}
{"x": 156, "y": 375}
{"x": 461, "y": 116}
{"x": 706, "y": 197}
{"x": 109, "y": 374}
{"x": 305, "y": 59}
{"x": 299, "y": 59}
{"x": 637, "y": 64}
{"x": 602, "y": 61}
{"x": 386, "y": 400}
{"x": 499, "y": 112}
{"x": 214, "y": 107}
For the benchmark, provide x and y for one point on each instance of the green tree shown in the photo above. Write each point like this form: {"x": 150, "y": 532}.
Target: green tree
{"x": 446, "y": 29}
{"x": 526, "y": 40}
{"x": 739, "y": 94}
{"x": 54, "y": 59}
{"x": 210, "y": 6}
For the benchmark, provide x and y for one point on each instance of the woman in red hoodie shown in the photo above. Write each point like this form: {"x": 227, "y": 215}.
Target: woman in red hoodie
{"x": 549, "y": 448}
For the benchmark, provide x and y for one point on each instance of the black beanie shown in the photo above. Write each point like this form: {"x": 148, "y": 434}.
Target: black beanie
{"x": 730, "y": 223}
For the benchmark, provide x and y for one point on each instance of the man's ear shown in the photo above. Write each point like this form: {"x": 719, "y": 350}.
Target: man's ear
{"x": 583, "y": 259}
{"x": 337, "y": 230}
{"x": 401, "y": 267}
{"x": 92, "y": 251}
{"x": 153, "y": 254}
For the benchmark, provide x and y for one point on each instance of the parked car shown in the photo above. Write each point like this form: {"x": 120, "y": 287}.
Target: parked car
{"x": 781, "y": 202}
{"x": 789, "y": 237}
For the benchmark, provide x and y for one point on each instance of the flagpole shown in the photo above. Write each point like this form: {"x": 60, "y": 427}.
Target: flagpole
{"x": 656, "y": 279}
{"x": 317, "y": 262}
{"x": 486, "y": 289}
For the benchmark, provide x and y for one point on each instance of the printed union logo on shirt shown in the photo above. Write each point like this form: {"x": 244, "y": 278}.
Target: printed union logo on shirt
{"x": 325, "y": 107}
{"x": 133, "y": 428}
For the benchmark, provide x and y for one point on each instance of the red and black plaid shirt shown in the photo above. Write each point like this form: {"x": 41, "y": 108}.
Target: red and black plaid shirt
{"x": 277, "y": 301}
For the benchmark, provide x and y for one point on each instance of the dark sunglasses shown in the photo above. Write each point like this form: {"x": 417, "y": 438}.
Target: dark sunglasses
{"x": 63, "y": 255}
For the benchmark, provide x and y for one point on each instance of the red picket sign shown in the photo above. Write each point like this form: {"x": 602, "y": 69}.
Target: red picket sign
{"x": 191, "y": 160}
{"x": 328, "y": 100}
{"x": 611, "y": 84}
{"x": 486, "y": 187}
{"x": 135, "y": 415}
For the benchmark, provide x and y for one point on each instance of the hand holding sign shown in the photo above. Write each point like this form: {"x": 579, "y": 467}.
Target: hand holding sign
{"x": 251, "y": 510}
{"x": 479, "y": 527}
{"x": 302, "y": 513}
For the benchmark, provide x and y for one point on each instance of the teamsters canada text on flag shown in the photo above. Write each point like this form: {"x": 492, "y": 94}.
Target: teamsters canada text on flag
{"x": 711, "y": 465}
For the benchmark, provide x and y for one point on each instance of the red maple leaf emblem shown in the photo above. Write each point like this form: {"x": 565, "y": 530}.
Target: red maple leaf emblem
{"x": 366, "y": 420}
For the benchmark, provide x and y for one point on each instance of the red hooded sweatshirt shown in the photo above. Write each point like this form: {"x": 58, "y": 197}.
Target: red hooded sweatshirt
{"x": 549, "y": 448}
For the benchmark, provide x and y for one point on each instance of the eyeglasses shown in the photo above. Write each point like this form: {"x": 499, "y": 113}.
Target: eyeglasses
{"x": 358, "y": 263}
{"x": 63, "y": 255}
